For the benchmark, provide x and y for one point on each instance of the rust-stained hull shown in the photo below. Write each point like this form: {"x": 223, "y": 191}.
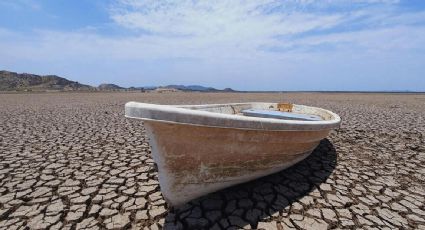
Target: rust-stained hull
{"x": 194, "y": 160}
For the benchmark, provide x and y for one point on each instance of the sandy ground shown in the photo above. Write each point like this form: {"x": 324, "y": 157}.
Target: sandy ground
{"x": 72, "y": 161}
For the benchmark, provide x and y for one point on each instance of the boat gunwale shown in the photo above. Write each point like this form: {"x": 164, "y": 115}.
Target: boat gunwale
{"x": 227, "y": 127}
{"x": 297, "y": 125}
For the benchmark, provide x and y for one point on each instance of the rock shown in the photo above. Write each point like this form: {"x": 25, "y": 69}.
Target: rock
{"x": 89, "y": 223}
{"x": 315, "y": 213}
{"x": 347, "y": 223}
{"x": 416, "y": 218}
{"x": 27, "y": 211}
{"x": 142, "y": 215}
{"x": 309, "y": 223}
{"x": 267, "y": 225}
{"x": 107, "y": 212}
{"x": 237, "y": 221}
{"x": 42, "y": 222}
{"x": 325, "y": 187}
{"x": 88, "y": 191}
{"x": 392, "y": 217}
{"x": 213, "y": 215}
{"x": 118, "y": 221}
{"x": 80, "y": 199}
{"x": 94, "y": 209}
{"x": 329, "y": 214}
{"x": 55, "y": 207}
{"x": 157, "y": 211}
{"x": 345, "y": 213}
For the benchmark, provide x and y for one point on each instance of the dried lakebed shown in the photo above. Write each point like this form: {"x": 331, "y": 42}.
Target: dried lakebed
{"x": 72, "y": 161}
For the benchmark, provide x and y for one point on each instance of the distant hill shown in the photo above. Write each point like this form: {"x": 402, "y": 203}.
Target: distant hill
{"x": 11, "y": 81}
{"x": 192, "y": 88}
{"x": 229, "y": 90}
{"x": 25, "y": 81}
{"x": 198, "y": 88}
{"x": 109, "y": 87}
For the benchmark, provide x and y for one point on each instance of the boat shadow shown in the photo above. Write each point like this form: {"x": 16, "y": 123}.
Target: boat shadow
{"x": 247, "y": 204}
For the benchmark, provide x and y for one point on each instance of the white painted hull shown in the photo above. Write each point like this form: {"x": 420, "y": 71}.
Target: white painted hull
{"x": 213, "y": 152}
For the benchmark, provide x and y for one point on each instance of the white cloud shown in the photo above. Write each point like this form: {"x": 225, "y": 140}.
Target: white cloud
{"x": 232, "y": 29}
{"x": 216, "y": 18}
{"x": 237, "y": 37}
{"x": 247, "y": 28}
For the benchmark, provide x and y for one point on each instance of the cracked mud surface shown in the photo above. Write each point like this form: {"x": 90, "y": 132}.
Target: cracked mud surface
{"x": 72, "y": 161}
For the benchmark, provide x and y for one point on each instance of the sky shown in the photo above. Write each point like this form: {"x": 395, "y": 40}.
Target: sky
{"x": 376, "y": 45}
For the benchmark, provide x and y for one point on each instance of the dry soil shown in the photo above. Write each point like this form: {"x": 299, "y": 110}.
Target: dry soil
{"x": 72, "y": 161}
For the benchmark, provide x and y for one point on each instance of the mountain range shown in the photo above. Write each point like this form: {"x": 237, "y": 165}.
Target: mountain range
{"x": 12, "y": 81}
{"x": 24, "y": 81}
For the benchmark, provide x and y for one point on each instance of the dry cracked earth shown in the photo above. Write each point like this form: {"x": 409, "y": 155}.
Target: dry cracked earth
{"x": 72, "y": 161}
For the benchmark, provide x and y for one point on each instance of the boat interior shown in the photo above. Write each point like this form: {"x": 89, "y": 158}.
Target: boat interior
{"x": 285, "y": 111}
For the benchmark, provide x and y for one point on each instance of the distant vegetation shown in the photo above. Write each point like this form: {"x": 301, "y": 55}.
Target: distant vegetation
{"x": 11, "y": 81}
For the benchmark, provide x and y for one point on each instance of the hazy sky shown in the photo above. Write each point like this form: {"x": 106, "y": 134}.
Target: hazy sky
{"x": 246, "y": 45}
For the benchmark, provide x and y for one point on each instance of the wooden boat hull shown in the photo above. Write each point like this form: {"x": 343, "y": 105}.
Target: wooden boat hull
{"x": 194, "y": 160}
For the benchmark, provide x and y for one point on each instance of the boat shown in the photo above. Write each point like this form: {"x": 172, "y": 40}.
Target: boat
{"x": 200, "y": 149}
